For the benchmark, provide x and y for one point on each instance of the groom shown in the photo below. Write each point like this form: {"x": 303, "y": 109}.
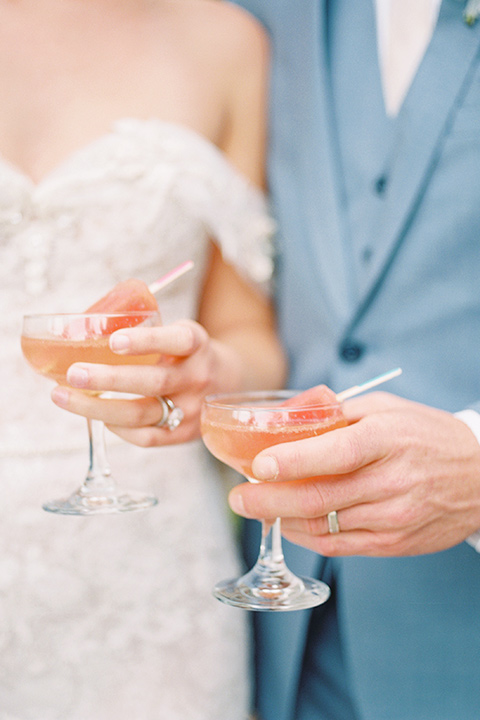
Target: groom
{"x": 375, "y": 177}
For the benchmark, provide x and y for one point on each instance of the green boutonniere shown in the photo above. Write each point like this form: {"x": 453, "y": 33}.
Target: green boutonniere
{"x": 471, "y": 12}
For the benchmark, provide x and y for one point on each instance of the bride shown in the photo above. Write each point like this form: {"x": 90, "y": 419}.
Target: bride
{"x": 131, "y": 140}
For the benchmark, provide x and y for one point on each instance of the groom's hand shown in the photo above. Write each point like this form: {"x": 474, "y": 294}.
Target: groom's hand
{"x": 403, "y": 478}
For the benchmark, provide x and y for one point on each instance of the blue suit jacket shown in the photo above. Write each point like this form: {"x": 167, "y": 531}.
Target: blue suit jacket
{"x": 410, "y": 626}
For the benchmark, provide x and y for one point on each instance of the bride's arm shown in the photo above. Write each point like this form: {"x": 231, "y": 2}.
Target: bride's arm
{"x": 241, "y": 324}
{"x": 233, "y": 345}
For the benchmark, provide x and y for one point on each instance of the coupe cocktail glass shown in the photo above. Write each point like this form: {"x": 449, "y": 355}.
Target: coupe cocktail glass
{"x": 235, "y": 428}
{"x": 50, "y": 344}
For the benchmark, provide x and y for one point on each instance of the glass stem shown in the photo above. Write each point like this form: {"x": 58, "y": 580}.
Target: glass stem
{"x": 271, "y": 553}
{"x": 99, "y": 479}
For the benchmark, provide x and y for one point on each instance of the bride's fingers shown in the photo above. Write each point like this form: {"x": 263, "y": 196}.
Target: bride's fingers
{"x": 135, "y": 420}
{"x": 154, "y": 436}
{"x": 136, "y": 412}
{"x": 178, "y": 339}
{"x": 189, "y": 375}
{"x": 148, "y": 380}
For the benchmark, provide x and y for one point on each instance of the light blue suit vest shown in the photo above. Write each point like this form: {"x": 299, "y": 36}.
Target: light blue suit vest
{"x": 378, "y": 271}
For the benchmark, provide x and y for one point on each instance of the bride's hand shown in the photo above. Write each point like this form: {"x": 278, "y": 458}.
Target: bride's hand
{"x": 192, "y": 365}
{"x": 233, "y": 347}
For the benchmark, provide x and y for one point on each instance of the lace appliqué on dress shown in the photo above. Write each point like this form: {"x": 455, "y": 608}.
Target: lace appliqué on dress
{"x": 115, "y": 618}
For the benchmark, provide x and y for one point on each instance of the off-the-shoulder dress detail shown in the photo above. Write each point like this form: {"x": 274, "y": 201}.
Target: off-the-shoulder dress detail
{"x": 112, "y": 616}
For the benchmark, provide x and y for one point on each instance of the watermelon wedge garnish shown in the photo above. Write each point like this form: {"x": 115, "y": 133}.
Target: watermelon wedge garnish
{"x": 128, "y": 296}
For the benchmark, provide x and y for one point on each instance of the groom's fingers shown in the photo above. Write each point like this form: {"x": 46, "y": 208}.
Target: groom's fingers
{"x": 337, "y": 452}
{"x": 312, "y": 498}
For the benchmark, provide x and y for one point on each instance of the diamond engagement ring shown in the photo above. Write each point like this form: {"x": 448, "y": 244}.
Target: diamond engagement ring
{"x": 172, "y": 415}
{"x": 333, "y": 526}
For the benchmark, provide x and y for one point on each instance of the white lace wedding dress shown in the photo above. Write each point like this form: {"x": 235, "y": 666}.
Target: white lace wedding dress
{"x": 112, "y": 617}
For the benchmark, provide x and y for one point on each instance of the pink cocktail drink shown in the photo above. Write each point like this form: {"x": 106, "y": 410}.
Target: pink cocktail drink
{"x": 51, "y": 344}
{"x": 235, "y": 428}
{"x": 51, "y": 356}
{"x": 236, "y": 443}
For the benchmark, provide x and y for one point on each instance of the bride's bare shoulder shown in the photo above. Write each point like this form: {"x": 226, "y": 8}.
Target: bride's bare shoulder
{"x": 225, "y": 15}
{"x": 223, "y": 23}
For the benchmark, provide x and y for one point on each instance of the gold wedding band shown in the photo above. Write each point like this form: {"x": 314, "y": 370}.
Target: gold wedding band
{"x": 332, "y": 519}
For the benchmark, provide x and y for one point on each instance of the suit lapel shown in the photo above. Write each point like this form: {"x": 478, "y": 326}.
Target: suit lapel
{"x": 326, "y": 232}
{"x": 302, "y": 143}
{"x": 422, "y": 122}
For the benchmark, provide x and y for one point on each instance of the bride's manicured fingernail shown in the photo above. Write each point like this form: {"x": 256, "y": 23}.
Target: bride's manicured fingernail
{"x": 60, "y": 396}
{"x": 265, "y": 468}
{"x": 77, "y": 376}
{"x": 120, "y": 343}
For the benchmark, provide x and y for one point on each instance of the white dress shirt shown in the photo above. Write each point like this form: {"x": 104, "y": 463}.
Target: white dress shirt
{"x": 404, "y": 31}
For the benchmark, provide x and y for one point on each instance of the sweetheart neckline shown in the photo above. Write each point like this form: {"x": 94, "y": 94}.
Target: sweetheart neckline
{"x": 115, "y": 128}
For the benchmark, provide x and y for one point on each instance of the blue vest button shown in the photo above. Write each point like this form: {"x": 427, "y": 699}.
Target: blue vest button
{"x": 380, "y": 184}
{"x": 367, "y": 254}
{"x": 351, "y": 352}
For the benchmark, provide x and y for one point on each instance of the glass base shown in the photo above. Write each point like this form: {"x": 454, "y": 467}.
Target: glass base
{"x": 272, "y": 594}
{"x": 98, "y": 504}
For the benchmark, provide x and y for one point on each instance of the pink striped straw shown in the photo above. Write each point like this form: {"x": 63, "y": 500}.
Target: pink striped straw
{"x": 170, "y": 277}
